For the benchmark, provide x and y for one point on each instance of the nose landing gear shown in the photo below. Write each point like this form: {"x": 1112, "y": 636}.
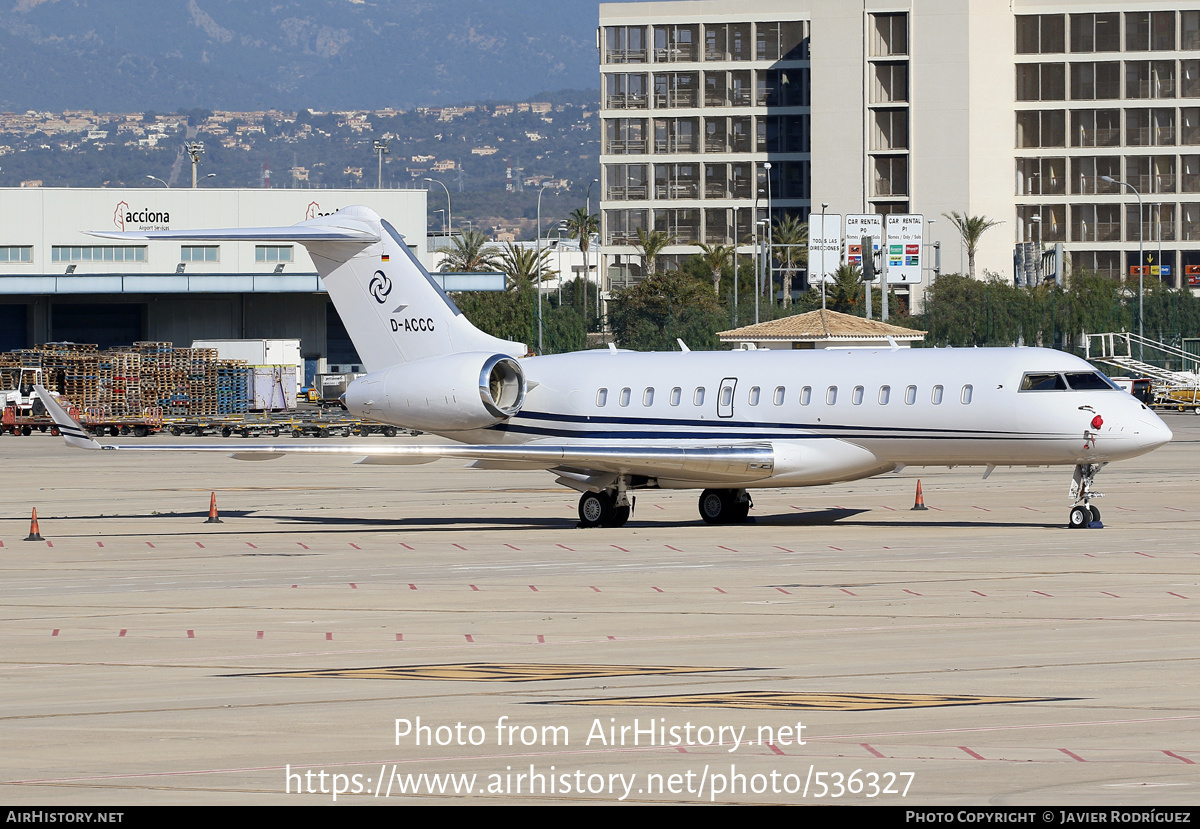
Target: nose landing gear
{"x": 1083, "y": 515}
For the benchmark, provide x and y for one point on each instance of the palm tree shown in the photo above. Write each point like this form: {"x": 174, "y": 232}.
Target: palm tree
{"x": 715, "y": 257}
{"x": 846, "y": 292}
{"x": 581, "y": 225}
{"x": 472, "y": 251}
{"x": 790, "y": 237}
{"x": 651, "y": 244}
{"x": 971, "y": 228}
{"x": 520, "y": 265}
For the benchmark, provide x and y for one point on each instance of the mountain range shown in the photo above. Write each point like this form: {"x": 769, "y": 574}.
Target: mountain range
{"x": 138, "y": 55}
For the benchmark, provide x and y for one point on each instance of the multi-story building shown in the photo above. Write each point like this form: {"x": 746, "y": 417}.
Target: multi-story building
{"x": 1076, "y": 122}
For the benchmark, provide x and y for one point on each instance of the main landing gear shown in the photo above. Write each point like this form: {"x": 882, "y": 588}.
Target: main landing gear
{"x": 1083, "y": 515}
{"x": 725, "y": 506}
{"x": 603, "y": 509}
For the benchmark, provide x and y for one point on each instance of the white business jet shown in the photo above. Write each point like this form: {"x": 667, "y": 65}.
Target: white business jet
{"x": 609, "y": 422}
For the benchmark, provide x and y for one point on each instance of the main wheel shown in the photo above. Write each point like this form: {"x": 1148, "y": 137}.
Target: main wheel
{"x": 1079, "y": 518}
{"x": 716, "y": 506}
{"x": 620, "y": 515}
{"x": 595, "y": 509}
{"x": 741, "y": 511}
{"x": 1095, "y": 513}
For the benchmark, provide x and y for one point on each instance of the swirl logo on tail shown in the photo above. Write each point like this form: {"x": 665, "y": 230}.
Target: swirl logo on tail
{"x": 380, "y": 287}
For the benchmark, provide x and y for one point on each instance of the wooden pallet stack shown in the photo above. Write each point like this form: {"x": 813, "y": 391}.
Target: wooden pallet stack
{"x": 190, "y": 382}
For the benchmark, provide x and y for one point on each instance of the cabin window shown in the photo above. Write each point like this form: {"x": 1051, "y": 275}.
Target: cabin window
{"x": 831, "y": 395}
{"x": 648, "y": 397}
{"x": 885, "y": 394}
{"x": 676, "y": 394}
{"x": 857, "y": 396}
{"x": 965, "y": 397}
{"x": 727, "y": 396}
{"x": 910, "y": 395}
{"x": 601, "y": 398}
{"x": 698, "y": 397}
{"x": 805, "y": 395}
{"x": 624, "y": 401}
{"x": 779, "y": 395}
{"x": 937, "y": 395}
{"x": 754, "y": 394}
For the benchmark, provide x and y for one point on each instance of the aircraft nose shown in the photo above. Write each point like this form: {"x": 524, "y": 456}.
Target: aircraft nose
{"x": 1152, "y": 432}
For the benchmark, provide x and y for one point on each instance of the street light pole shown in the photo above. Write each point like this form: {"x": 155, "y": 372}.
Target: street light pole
{"x": 823, "y": 206}
{"x": 587, "y": 265}
{"x": 770, "y": 278}
{"x": 1141, "y": 260}
{"x": 449, "y": 217}
{"x": 538, "y": 262}
{"x": 194, "y": 149}
{"x": 1037, "y": 263}
{"x": 160, "y": 181}
{"x": 381, "y": 148}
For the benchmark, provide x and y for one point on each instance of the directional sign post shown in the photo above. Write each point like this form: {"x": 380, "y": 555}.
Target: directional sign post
{"x": 824, "y": 245}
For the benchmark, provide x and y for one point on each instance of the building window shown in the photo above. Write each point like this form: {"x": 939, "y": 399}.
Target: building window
{"x": 1096, "y": 81}
{"x": 891, "y": 129}
{"x": 272, "y": 253}
{"x": 625, "y": 44}
{"x": 1088, "y": 172}
{"x": 1150, "y": 127}
{"x": 1095, "y": 127}
{"x": 890, "y": 82}
{"x": 625, "y": 91}
{"x": 626, "y": 181}
{"x": 98, "y": 253}
{"x": 891, "y": 175}
{"x": 1158, "y": 222}
{"x": 1041, "y": 82}
{"x": 889, "y": 35}
{"x": 1150, "y": 173}
{"x": 1041, "y": 128}
{"x": 1096, "y": 32}
{"x": 1149, "y": 79}
{"x": 1051, "y": 225}
{"x": 1095, "y": 223}
{"x": 1041, "y": 176}
{"x": 1189, "y": 79}
{"x": 676, "y": 44}
{"x": 676, "y": 89}
{"x": 1189, "y": 31}
{"x": 1149, "y": 31}
{"x": 199, "y": 253}
{"x": 16, "y": 253}
{"x": 625, "y": 136}
{"x": 1040, "y": 34}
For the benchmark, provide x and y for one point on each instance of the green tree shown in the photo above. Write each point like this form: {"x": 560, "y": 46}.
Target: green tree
{"x": 472, "y": 251}
{"x": 971, "y": 228}
{"x": 521, "y": 265}
{"x": 845, "y": 293}
{"x": 716, "y": 258}
{"x": 790, "y": 238}
{"x": 650, "y": 244}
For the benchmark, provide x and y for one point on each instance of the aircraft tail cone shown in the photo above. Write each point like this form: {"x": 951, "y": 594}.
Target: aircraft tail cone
{"x": 920, "y": 504}
{"x": 34, "y": 534}
{"x": 212, "y": 511}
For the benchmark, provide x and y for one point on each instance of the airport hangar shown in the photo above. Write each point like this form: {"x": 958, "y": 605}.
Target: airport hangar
{"x": 59, "y": 284}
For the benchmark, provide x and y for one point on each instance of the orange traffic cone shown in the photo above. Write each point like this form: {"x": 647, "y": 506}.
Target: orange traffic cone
{"x": 212, "y": 511}
{"x": 34, "y": 534}
{"x": 920, "y": 504}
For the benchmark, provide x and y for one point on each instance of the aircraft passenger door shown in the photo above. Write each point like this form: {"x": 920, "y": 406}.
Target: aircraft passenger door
{"x": 725, "y": 397}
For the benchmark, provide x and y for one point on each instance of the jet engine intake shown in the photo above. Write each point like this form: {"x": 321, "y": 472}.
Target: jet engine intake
{"x": 449, "y": 393}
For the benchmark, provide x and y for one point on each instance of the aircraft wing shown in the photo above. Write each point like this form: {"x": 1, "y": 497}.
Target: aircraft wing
{"x": 735, "y": 462}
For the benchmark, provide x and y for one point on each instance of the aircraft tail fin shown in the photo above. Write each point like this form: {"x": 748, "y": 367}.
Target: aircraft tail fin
{"x": 392, "y": 308}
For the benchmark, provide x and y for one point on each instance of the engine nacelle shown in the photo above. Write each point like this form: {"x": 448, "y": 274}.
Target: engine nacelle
{"x": 455, "y": 392}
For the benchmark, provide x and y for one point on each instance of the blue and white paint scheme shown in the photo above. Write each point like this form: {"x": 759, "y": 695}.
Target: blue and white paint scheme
{"x": 609, "y": 421}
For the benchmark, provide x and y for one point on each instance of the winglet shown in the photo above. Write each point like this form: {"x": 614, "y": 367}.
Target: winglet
{"x": 70, "y": 428}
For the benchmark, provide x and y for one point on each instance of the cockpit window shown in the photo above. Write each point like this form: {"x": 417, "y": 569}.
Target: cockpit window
{"x": 1043, "y": 382}
{"x": 1090, "y": 381}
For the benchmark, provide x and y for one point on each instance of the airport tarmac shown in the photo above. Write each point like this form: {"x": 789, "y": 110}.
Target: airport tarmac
{"x": 841, "y": 648}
